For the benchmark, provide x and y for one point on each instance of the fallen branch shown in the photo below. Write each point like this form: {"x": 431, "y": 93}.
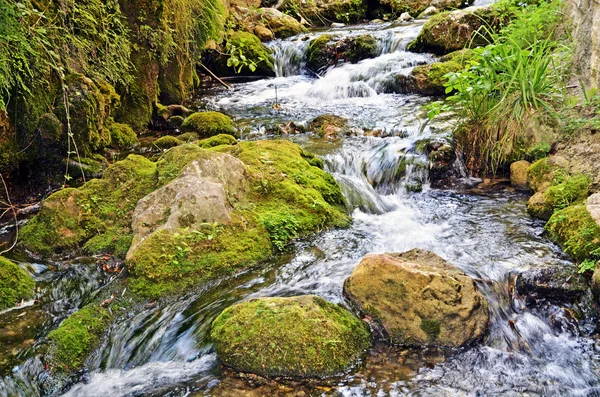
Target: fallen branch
{"x": 215, "y": 77}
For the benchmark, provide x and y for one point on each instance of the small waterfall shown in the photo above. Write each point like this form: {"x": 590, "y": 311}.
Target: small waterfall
{"x": 367, "y": 78}
{"x": 289, "y": 56}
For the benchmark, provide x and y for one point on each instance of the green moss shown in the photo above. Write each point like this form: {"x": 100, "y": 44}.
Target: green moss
{"x": 431, "y": 327}
{"x": 287, "y": 197}
{"x": 541, "y": 174}
{"x": 122, "y": 135}
{"x": 361, "y": 47}
{"x": 576, "y": 231}
{"x": 428, "y": 79}
{"x": 50, "y": 127}
{"x": 303, "y": 336}
{"x": 101, "y": 207}
{"x": 15, "y": 284}
{"x": 217, "y": 140}
{"x": 208, "y": 124}
{"x": 73, "y": 341}
{"x": 566, "y": 190}
{"x": 319, "y": 52}
{"x": 91, "y": 107}
{"x": 188, "y": 137}
{"x": 167, "y": 142}
{"x": 175, "y": 122}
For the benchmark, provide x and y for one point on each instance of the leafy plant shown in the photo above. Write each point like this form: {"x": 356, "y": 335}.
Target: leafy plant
{"x": 509, "y": 85}
{"x": 282, "y": 227}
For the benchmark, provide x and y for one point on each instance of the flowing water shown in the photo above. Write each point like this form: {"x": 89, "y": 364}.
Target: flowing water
{"x": 164, "y": 350}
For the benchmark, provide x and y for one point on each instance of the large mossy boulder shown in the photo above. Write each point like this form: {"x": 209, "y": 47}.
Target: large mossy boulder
{"x": 452, "y": 31}
{"x": 324, "y": 12}
{"x": 207, "y": 124}
{"x": 576, "y": 230}
{"x": 564, "y": 190}
{"x": 518, "y": 175}
{"x": 96, "y": 216}
{"x": 15, "y": 284}
{"x": 326, "y": 50}
{"x": 303, "y": 336}
{"x": 262, "y": 195}
{"x": 268, "y": 193}
{"x": 417, "y": 298}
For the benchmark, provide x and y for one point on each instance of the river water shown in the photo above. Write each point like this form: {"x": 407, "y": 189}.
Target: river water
{"x": 164, "y": 350}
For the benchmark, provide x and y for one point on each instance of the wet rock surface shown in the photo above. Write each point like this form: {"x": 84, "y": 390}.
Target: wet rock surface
{"x": 555, "y": 284}
{"x": 417, "y": 298}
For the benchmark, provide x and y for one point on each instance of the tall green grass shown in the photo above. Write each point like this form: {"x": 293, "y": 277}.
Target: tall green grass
{"x": 512, "y": 85}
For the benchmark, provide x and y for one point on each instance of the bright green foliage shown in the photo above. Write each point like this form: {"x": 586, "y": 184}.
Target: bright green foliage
{"x": 15, "y": 284}
{"x": 511, "y": 85}
{"x": 245, "y": 50}
{"x": 208, "y": 124}
{"x": 282, "y": 228}
{"x": 97, "y": 215}
{"x": 566, "y": 190}
{"x": 167, "y": 142}
{"x": 576, "y": 231}
{"x": 217, "y": 140}
{"x": 73, "y": 341}
{"x": 303, "y": 336}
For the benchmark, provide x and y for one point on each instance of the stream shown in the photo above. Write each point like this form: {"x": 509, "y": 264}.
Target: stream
{"x": 165, "y": 350}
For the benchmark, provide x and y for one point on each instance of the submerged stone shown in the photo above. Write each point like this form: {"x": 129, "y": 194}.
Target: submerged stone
{"x": 329, "y": 126}
{"x": 302, "y": 336}
{"x": 417, "y": 298}
{"x": 207, "y": 124}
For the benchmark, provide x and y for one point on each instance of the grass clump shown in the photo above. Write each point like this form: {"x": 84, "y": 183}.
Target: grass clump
{"x": 76, "y": 337}
{"x": 303, "y": 336}
{"x": 15, "y": 284}
{"x": 509, "y": 93}
{"x": 208, "y": 124}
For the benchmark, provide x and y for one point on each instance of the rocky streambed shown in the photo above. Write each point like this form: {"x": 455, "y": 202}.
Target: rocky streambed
{"x": 468, "y": 303}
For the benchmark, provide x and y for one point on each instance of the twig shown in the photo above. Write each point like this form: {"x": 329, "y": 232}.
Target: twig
{"x": 12, "y": 207}
{"x": 215, "y": 77}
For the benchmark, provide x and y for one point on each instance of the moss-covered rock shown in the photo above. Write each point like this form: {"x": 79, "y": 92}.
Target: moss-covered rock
{"x": 303, "y": 336}
{"x": 96, "y": 216}
{"x": 15, "y": 284}
{"x": 418, "y": 7}
{"x": 266, "y": 23}
{"x": 426, "y": 79}
{"x": 576, "y": 231}
{"x": 285, "y": 197}
{"x": 451, "y": 31}
{"x": 208, "y": 124}
{"x": 217, "y": 140}
{"x": 541, "y": 173}
{"x": 121, "y": 135}
{"x": 563, "y": 191}
{"x": 167, "y": 142}
{"x": 329, "y": 126}
{"x": 188, "y": 137}
{"x": 76, "y": 337}
{"x": 326, "y": 51}
{"x": 89, "y": 108}
{"x": 417, "y": 298}
{"x": 323, "y": 12}
{"x": 518, "y": 174}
